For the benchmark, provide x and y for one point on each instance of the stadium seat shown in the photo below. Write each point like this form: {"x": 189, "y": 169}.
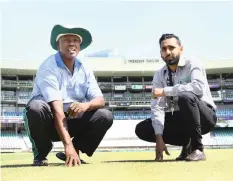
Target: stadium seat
{"x": 225, "y": 114}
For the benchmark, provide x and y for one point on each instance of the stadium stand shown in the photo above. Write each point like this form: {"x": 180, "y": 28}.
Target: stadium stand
{"x": 10, "y": 141}
{"x": 126, "y": 85}
{"x": 223, "y": 137}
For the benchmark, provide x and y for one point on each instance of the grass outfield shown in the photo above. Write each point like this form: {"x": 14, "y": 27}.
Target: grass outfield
{"x": 121, "y": 166}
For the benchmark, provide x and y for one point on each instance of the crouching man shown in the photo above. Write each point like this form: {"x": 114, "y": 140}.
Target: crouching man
{"x": 182, "y": 108}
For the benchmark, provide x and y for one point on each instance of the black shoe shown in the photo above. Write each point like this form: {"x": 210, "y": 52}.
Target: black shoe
{"x": 62, "y": 157}
{"x": 40, "y": 162}
{"x": 186, "y": 150}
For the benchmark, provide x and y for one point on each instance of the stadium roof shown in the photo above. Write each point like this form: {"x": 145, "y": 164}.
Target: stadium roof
{"x": 117, "y": 66}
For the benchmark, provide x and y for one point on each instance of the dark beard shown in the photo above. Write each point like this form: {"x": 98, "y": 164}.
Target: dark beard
{"x": 173, "y": 61}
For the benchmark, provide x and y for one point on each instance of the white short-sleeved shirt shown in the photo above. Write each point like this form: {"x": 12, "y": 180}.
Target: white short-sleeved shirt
{"x": 55, "y": 82}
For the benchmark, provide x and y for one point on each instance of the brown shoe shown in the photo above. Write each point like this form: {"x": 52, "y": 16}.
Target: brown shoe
{"x": 186, "y": 150}
{"x": 196, "y": 155}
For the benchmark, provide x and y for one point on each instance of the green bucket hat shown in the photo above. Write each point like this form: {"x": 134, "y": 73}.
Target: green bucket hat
{"x": 59, "y": 31}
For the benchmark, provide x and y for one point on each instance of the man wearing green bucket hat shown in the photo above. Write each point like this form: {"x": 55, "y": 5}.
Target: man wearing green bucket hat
{"x": 66, "y": 103}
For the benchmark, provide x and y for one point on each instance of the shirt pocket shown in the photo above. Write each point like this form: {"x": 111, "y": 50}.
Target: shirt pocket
{"x": 81, "y": 91}
{"x": 185, "y": 80}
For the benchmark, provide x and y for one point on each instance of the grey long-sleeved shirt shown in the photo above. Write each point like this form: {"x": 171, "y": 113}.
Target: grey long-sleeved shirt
{"x": 190, "y": 76}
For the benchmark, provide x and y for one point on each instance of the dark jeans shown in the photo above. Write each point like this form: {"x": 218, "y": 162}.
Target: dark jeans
{"x": 87, "y": 131}
{"x": 194, "y": 119}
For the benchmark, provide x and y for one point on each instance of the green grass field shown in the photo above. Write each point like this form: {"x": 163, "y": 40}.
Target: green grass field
{"x": 121, "y": 166}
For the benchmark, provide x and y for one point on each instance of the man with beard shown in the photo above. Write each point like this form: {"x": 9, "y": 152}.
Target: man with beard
{"x": 66, "y": 102}
{"x": 182, "y": 108}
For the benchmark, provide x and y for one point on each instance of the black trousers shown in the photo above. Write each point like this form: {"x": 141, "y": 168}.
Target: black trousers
{"x": 194, "y": 119}
{"x": 87, "y": 131}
